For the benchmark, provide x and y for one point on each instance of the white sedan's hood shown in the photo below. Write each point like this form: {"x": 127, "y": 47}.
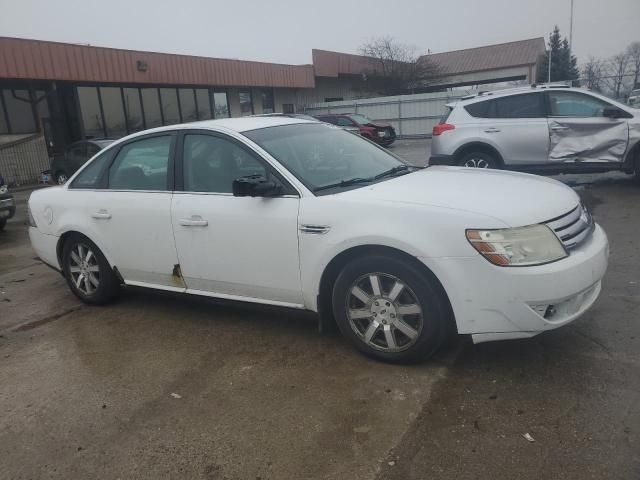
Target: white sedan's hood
{"x": 517, "y": 199}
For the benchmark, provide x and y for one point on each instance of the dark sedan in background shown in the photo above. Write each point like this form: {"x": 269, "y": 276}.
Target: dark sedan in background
{"x": 7, "y": 204}
{"x": 66, "y": 164}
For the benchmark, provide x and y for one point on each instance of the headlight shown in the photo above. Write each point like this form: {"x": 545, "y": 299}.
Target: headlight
{"x": 518, "y": 247}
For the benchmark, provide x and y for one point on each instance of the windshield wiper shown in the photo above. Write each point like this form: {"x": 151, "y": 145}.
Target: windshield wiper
{"x": 343, "y": 183}
{"x": 392, "y": 171}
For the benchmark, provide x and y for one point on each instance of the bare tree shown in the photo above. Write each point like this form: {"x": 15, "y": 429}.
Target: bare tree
{"x": 619, "y": 64}
{"x": 633, "y": 51}
{"x": 592, "y": 74}
{"x": 396, "y": 67}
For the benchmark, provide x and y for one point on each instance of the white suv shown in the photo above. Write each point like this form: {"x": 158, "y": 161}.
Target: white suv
{"x": 542, "y": 128}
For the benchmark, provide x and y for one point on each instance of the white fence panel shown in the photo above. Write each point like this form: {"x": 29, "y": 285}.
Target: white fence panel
{"x": 410, "y": 115}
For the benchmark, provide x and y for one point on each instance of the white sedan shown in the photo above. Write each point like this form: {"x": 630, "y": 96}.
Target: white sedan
{"x": 300, "y": 214}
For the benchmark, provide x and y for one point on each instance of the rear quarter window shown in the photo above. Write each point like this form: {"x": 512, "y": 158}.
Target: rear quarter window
{"x": 91, "y": 176}
{"x": 478, "y": 110}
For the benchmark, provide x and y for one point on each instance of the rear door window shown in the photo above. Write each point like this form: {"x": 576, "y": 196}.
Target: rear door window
{"x": 142, "y": 165}
{"x": 529, "y": 105}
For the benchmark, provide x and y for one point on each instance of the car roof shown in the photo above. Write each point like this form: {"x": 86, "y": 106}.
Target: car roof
{"x": 102, "y": 143}
{"x": 242, "y": 124}
{"x": 482, "y": 96}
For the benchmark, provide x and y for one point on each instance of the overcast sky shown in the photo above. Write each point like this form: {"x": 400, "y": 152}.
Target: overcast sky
{"x": 285, "y": 31}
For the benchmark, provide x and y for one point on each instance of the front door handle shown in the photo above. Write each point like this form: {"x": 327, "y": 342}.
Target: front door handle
{"x": 193, "y": 221}
{"x": 101, "y": 215}
{"x": 492, "y": 130}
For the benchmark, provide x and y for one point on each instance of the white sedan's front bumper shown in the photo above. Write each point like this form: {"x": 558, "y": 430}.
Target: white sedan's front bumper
{"x": 496, "y": 303}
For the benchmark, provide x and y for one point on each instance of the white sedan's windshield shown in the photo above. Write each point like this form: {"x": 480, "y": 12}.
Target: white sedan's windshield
{"x": 322, "y": 156}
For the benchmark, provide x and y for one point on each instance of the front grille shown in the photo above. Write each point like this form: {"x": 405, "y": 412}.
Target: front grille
{"x": 573, "y": 227}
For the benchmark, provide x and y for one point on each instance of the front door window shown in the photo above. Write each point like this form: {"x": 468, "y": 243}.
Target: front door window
{"x": 580, "y": 133}
{"x": 212, "y": 163}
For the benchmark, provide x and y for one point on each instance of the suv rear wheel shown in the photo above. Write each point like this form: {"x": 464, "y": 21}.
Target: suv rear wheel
{"x": 478, "y": 159}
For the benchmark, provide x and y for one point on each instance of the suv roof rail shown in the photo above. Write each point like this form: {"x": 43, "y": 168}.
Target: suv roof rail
{"x": 523, "y": 88}
{"x": 551, "y": 85}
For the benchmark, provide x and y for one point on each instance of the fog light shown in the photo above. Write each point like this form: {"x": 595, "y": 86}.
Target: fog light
{"x": 545, "y": 311}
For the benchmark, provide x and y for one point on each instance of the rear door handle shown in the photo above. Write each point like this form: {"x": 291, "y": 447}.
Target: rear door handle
{"x": 193, "y": 221}
{"x": 492, "y": 130}
{"x": 559, "y": 128}
{"x": 101, "y": 215}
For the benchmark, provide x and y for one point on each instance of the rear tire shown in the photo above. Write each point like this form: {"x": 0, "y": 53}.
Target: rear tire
{"x": 3, "y": 223}
{"x": 87, "y": 271}
{"x": 478, "y": 159}
{"x": 389, "y": 309}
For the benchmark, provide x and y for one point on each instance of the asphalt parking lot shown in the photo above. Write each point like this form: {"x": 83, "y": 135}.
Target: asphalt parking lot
{"x": 167, "y": 386}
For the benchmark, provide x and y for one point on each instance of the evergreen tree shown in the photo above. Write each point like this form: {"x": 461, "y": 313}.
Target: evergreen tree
{"x": 564, "y": 65}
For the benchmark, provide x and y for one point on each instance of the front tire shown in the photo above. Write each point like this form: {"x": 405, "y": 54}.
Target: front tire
{"x": 3, "y": 223}
{"x": 389, "y": 309}
{"x": 87, "y": 271}
{"x": 478, "y": 159}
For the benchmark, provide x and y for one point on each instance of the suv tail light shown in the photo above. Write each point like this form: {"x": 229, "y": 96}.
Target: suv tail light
{"x": 441, "y": 128}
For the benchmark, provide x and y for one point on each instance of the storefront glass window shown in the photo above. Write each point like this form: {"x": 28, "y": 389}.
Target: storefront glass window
{"x": 169, "y": 106}
{"x": 204, "y": 106}
{"x": 187, "y": 105}
{"x": 132, "y": 109}
{"x": 18, "y": 105}
{"x": 246, "y": 103}
{"x": 113, "y": 111}
{"x": 267, "y": 101}
{"x": 90, "y": 112}
{"x": 151, "y": 106}
{"x": 221, "y": 104}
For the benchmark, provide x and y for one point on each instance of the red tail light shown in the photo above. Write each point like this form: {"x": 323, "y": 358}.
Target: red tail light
{"x": 441, "y": 128}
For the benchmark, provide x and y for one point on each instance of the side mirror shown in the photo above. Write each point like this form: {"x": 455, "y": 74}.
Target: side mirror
{"x": 255, "y": 186}
{"x": 613, "y": 112}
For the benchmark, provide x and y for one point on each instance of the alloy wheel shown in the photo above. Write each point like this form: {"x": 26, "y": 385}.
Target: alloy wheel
{"x": 475, "y": 162}
{"x": 384, "y": 312}
{"x": 84, "y": 269}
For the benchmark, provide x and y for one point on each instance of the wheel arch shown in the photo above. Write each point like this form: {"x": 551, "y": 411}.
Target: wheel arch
{"x": 632, "y": 159}
{"x": 478, "y": 147}
{"x": 69, "y": 233}
{"x": 335, "y": 265}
